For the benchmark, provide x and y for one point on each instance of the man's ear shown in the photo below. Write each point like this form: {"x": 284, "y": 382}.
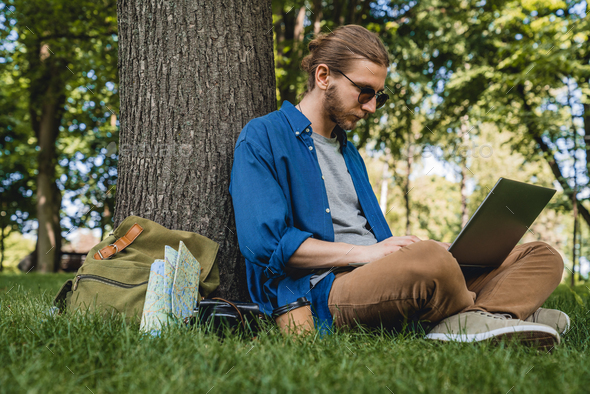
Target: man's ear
{"x": 322, "y": 76}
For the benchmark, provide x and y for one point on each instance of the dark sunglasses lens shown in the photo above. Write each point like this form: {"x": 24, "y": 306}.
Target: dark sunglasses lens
{"x": 381, "y": 99}
{"x": 366, "y": 96}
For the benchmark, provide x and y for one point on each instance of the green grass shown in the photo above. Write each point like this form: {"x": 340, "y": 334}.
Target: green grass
{"x": 66, "y": 354}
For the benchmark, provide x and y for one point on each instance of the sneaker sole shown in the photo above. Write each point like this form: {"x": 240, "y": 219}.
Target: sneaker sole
{"x": 567, "y": 324}
{"x": 532, "y": 335}
{"x": 540, "y": 341}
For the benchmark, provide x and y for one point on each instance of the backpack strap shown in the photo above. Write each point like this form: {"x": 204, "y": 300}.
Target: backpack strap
{"x": 120, "y": 244}
{"x": 235, "y": 307}
{"x": 61, "y": 299}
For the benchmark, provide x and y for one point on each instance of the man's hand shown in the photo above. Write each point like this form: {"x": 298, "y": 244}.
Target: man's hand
{"x": 388, "y": 246}
{"x": 393, "y": 244}
{"x": 445, "y": 245}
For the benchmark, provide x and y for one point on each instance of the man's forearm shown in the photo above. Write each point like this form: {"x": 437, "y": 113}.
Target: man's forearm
{"x": 313, "y": 253}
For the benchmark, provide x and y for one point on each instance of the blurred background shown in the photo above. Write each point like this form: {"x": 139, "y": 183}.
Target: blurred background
{"x": 478, "y": 90}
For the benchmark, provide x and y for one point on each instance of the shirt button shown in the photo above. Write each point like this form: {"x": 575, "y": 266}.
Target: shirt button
{"x": 307, "y": 130}
{"x": 311, "y": 148}
{"x": 296, "y": 133}
{"x": 328, "y": 210}
{"x": 322, "y": 177}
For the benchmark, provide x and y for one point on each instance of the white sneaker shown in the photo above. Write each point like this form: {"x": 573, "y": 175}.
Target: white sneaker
{"x": 475, "y": 326}
{"x": 554, "y": 318}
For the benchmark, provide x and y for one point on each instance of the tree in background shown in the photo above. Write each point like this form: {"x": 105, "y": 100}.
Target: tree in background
{"x": 457, "y": 66}
{"x": 189, "y": 84}
{"x": 505, "y": 62}
{"x": 61, "y": 56}
{"x": 17, "y": 205}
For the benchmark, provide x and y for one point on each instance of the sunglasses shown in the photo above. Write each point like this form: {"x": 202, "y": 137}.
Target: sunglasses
{"x": 367, "y": 94}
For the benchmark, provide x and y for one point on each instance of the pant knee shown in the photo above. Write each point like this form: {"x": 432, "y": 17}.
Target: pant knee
{"x": 441, "y": 283}
{"x": 552, "y": 259}
{"x": 438, "y": 263}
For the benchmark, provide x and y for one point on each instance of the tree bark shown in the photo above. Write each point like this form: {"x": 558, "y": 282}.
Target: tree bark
{"x": 189, "y": 83}
{"x": 317, "y": 16}
{"x": 384, "y": 185}
{"x": 586, "y": 118}
{"x": 2, "y": 238}
{"x": 575, "y": 237}
{"x": 409, "y": 160}
{"x": 299, "y": 28}
{"x": 463, "y": 187}
{"x": 464, "y": 169}
{"x": 277, "y": 9}
{"x": 48, "y": 194}
{"x": 289, "y": 47}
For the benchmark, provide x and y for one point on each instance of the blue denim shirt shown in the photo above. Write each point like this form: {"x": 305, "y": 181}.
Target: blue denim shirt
{"x": 280, "y": 200}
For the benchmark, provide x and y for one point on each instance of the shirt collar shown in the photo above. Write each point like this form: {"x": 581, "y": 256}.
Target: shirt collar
{"x": 299, "y": 122}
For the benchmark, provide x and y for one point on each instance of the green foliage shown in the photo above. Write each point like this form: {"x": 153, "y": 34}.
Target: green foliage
{"x": 463, "y": 65}
{"x": 17, "y": 156}
{"x": 457, "y": 65}
{"x": 16, "y": 246}
{"x": 59, "y": 49}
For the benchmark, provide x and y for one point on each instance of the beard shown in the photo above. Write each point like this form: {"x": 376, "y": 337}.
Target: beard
{"x": 334, "y": 109}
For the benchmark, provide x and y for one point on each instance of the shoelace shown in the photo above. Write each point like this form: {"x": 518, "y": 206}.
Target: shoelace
{"x": 534, "y": 316}
{"x": 502, "y": 316}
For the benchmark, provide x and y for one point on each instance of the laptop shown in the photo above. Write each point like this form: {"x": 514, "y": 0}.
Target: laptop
{"x": 499, "y": 222}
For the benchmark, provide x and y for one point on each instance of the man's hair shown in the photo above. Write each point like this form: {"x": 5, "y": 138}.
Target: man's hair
{"x": 340, "y": 49}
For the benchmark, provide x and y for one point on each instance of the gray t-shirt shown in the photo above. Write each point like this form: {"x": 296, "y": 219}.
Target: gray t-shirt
{"x": 350, "y": 226}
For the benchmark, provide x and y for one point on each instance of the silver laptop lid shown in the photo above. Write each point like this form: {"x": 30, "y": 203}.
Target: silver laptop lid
{"x": 499, "y": 223}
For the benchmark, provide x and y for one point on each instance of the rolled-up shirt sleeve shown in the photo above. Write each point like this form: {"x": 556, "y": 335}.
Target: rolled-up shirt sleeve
{"x": 266, "y": 236}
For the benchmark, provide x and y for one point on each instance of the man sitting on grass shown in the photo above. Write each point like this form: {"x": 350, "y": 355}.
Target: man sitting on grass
{"x": 305, "y": 209}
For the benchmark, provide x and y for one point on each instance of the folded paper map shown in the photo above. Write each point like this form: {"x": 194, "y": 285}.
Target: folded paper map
{"x": 186, "y": 283}
{"x": 172, "y": 289}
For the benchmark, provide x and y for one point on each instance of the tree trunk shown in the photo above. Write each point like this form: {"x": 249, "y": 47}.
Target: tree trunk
{"x": 29, "y": 262}
{"x": 586, "y": 118}
{"x": 464, "y": 169}
{"x": 575, "y": 240}
{"x": 384, "y": 185}
{"x": 409, "y": 160}
{"x": 277, "y": 9}
{"x": 289, "y": 42}
{"x": 48, "y": 194}
{"x": 298, "y": 31}
{"x": 189, "y": 83}
{"x": 57, "y": 199}
{"x": 317, "y": 16}
{"x": 2, "y": 238}
{"x": 574, "y": 194}
{"x": 464, "y": 216}
{"x": 105, "y": 219}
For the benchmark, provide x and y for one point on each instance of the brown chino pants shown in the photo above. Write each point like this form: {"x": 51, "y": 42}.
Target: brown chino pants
{"x": 423, "y": 281}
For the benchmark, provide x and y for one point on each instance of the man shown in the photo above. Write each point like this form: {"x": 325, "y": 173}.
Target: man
{"x": 305, "y": 210}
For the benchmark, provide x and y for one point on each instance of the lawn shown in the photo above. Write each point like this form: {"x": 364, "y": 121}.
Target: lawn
{"x": 44, "y": 354}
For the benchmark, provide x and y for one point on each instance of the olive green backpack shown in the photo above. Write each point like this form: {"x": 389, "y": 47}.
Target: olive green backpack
{"x": 115, "y": 274}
